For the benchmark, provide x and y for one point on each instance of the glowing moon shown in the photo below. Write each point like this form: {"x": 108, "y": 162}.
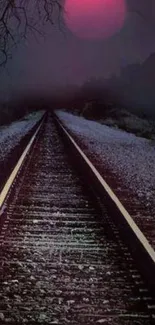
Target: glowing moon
{"x": 95, "y": 18}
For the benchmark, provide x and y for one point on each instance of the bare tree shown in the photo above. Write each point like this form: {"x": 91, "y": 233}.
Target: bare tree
{"x": 20, "y": 17}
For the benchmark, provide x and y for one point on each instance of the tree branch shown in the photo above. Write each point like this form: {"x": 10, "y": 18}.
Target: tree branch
{"x": 18, "y": 18}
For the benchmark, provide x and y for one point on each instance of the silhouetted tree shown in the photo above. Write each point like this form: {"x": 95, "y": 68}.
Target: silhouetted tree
{"x": 20, "y": 17}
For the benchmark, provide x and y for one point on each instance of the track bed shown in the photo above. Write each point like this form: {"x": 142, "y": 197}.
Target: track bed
{"x": 62, "y": 261}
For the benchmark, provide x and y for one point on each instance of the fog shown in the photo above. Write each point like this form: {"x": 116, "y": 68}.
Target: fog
{"x": 62, "y": 59}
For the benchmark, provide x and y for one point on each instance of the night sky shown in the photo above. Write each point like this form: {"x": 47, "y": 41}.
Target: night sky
{"x": 63, "y": 58}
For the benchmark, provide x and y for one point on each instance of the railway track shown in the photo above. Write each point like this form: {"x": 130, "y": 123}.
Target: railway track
{"x": 62, "y": 260}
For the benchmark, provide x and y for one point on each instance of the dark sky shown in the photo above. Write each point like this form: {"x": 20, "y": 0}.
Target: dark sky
{"x": 63, "y": 58}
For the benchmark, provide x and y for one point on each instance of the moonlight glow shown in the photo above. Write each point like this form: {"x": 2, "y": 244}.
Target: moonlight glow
{"x": 94, "y": 18}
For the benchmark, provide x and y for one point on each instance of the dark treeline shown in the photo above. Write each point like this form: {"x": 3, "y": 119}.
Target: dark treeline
{"x": 133, "y": 90}
{"x": 135, "y": 87}
{"x": 18, "y": 107}
{"x": 12, "y": 110}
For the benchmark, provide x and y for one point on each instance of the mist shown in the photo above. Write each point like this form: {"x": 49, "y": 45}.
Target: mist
{"x": 61, "y": 60}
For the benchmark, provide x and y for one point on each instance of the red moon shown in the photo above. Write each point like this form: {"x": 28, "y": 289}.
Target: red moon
{"x": 95, "y": 18}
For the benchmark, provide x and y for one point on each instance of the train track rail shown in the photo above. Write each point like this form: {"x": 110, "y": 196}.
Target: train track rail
{"x": 62, "y": 257}
{"x": 11, "y": 159}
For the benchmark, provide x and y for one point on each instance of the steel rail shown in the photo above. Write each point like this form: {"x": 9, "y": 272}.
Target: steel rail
{"x": 143, "y": 252}
{"x": 11, "y": 178}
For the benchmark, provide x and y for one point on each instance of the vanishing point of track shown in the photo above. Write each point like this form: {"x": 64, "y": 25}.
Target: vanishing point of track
{"x": 62, "y": 260}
